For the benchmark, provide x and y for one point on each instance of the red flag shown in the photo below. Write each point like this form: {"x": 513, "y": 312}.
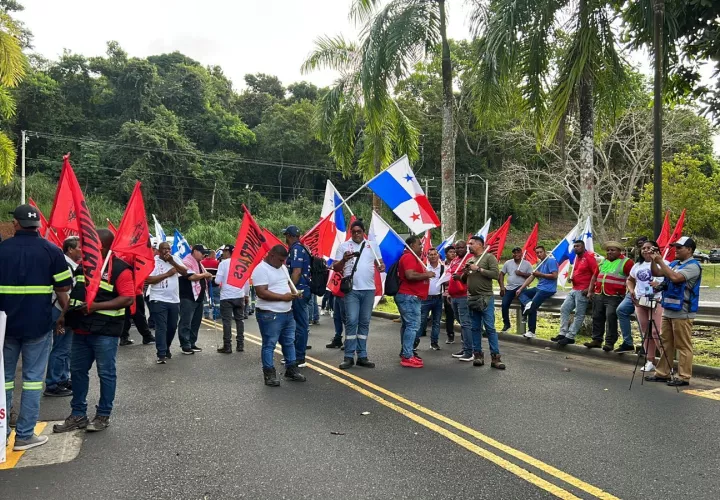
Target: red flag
{"x": 63, "y": 216}
{"x": 529, "y": 247}
{"x": 333, "y": 285}
{"x": 45, "y": 230}
{"x": 669, "y": 254}
{"x": 664, "y": 236}
{"x": 495, "y": 242}
{"x": 92, "y": 259}
{"x": 426, "y": 246}
{"x": 251, "y": 247}
{"x": 272, "y": 240}
{"x": 321, "y": 237}
{"x": 111, "y": 227}
{"x": 132, "y": 240}
{"x": 348, "y": 233}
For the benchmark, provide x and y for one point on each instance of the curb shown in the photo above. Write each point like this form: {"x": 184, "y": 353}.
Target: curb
{"x": 630, "y": 359}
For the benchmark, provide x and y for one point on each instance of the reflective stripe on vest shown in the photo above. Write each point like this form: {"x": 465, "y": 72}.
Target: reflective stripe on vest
{"x": 112, "y": 312}
{"x": 26, "y": 290}
{"x": 80, "y": 279}
{"x": 65, "y": 275}
{"x": 612, "y": 274}
{"x": 106, "y": 286}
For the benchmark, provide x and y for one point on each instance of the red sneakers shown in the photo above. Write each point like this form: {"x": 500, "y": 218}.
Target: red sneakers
{"x": 413, "y": 362}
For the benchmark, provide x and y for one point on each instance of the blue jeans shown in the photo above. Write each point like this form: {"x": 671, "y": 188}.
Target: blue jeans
{"x": 624, "y": 310}
{"x": 484, "y": 319}
{"x": 338, "y": 316}
{"x": 462, "y": 314}
{"x": 191, "y": 315}
{"x": 574, "y": 300}
{"x": 432, "y": 305}
{"x": 34, "y": 360}
{"x": 409, "y": 308}
{"x": 58, "y": 368}
{"x": 300, "y": 310}
{"x": 537, "y": 297}
{"x": 103, "y": 351}
{"x": 506, "y": 301}
{"x": 313, "y": 309}
{"x": 276, "y": 327}
{"x": 358, "y": 311}
{"x": 166, "y": 321}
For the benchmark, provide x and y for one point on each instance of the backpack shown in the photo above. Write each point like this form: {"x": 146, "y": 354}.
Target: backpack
{"x": 392, "y": 280}
{"x": 319, "y": 273}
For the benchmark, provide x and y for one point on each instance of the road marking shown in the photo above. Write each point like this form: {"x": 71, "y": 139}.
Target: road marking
{"x": 548, "y": 469}
{"x": 705, "y": 393}
{"x": 13, "y": 457}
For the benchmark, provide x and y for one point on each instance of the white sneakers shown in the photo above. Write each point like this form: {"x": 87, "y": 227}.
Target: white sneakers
{"x": 649, "y": 367}
{"x": 529, "y": 335}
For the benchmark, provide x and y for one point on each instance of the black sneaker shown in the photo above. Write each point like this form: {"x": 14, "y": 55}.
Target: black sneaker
{"x": 607, "y": 348}
{"x": 467, "y": 357}
{"x": 365, "y": 362}
{"x": 59, "y": 392}
{"x": 226, "y": 349}
{"x": 678, "y": 382}
{"x": 73, "y": 422}
{"x": 196, "y": 348}
{"x": 125, "y": 341}
{"x": 150, "y": 339}
{"x": 292, "y": 374}
{"x": 99, "y": 423}
{"x": 557, "y": 338}
{"x": 308, "y": 348}
{"x": 187, "y": 350}
{"x": 161, "y": 360}
{"x": 625, "y": 348}
{"x": 458, "y": 354}
{"x": 450, "y": 339}
{"x": 347, "y": 363}
{"x": 240, "y": 348}
{"x": 168, "y": 355}
{"x": 334, "y": 344}
{"x": 565, "y": 341}
{"x": 434, "y": 346}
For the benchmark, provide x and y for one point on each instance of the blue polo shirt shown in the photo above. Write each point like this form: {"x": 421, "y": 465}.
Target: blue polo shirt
{"x": 300, "y": 258}
{"x": 30, "y": 267}
{"x": 547, "y": 267}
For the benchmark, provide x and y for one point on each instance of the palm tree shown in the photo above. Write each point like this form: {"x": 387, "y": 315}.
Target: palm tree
{"x": 395, "y": 36}
{"x": 12, "y": 69}
{"x": 385, "y": 131}
{"x": 518, "y": 38}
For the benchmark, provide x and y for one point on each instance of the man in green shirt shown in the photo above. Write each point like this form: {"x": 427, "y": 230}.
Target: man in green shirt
{"x": 479, "y": 274}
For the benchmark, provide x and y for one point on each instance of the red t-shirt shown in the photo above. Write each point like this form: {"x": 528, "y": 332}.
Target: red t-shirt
{"x": 210, "y": 263}
{"x": 456, "y": 288}
{"x": 585, "y": 267}
{"x": 407, "y": 287}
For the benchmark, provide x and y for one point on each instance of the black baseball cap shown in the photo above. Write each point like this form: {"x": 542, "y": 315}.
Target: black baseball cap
{"x": 291, "y": 231}
{"x": 229, "y": 248}
{"x": 200, "y": 249}
{"x": 27, "y": 216}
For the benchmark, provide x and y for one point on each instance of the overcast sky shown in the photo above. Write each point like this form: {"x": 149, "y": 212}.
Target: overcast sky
{"x": 241, "y": 36}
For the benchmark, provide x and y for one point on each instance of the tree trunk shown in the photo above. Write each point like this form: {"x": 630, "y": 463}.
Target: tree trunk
{"x": 586, "y": 163}
{"x": 448, "y": 208}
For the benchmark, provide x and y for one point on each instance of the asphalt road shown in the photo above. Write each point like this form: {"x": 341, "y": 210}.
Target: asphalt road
{"x": 205, "y": 426}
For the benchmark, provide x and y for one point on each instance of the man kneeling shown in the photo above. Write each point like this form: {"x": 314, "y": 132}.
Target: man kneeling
{"x": 274, "y": 315}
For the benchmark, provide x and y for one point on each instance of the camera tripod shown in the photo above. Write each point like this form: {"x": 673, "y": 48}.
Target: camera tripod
{"x": 648, "y": 335}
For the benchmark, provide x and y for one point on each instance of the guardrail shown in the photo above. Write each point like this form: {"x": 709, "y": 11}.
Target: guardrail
{"x": 708, "y": 313}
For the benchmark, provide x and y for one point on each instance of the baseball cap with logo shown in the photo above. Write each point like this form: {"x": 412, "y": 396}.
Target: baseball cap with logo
{"x": 27, "y": 216}
{"x": 291, "y": 231}
{"x": 685, "y": 241}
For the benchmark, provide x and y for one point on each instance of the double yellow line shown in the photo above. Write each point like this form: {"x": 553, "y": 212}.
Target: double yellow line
{"x": 348, "y": 379}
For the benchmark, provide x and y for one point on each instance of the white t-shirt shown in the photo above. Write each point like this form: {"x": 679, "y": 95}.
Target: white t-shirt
{"x": 168, "y": 289}
{"x": 72, "y": 265}
{"x": 435, "y": 288}
{"x": 364, "y": 277}
{"x": 277, "y": 282}
{"x": 643, "y": 276}
{"x": 227, "y": 291}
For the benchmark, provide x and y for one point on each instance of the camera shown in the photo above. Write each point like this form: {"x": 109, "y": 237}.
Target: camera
{"x": 661, "y": 287}
{"x": 356, "y": 254}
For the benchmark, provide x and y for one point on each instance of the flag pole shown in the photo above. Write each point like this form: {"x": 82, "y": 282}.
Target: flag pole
{"x": 290, "y": 281}
{"x": 398, "y": 236}
{"x": 343, "y": 199}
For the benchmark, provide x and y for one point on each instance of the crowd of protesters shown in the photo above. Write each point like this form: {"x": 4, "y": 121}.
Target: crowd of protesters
{"x": 49, "y": 325}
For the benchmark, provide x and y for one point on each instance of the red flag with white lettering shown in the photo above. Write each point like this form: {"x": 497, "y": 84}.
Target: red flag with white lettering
{"x": 251, "y": 247}
{"x": 92, "y": 259}
{"x": 321, "y": 237}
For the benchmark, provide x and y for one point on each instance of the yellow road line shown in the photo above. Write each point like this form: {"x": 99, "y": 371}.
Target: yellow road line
{"x": 548, "y": 469}
{"x": 13, "y": 457}
{"x": 496, "y": 459}
{"x": 707, "y": 393}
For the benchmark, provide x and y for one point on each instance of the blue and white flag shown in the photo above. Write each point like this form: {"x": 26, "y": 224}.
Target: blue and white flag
{"x": 398, "y": 187}
{"x": 159, "y": 233}
{"x": 180, "y": 247}
{"x": 587, "y": 236}
{"x": 390, "y": 244}
{"x": 441, "y": 247}
{"x": 484, "y": 230}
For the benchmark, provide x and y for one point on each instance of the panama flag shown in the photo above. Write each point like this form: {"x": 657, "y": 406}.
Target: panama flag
{"x": 484, "y": 230}
{"x": 563, "y": 252}
{"x": 391, "y": 248}
{"x": 441, "y": 247}
{"x": 159, "y": 233}
{"x": 583, "y": 233}
{"x": 180, "y": 247}
{"x": 398, "y": 187}
{"x": 337, "y": 222}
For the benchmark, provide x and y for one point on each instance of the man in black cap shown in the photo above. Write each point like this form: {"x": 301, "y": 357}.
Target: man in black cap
{"x": 298, "y": 263}
{"x": 192, "y": 297}
{"x": 31, "y": 268}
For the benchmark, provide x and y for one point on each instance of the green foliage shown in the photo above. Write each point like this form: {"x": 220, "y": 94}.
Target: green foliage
{"x": 690, "y": 181}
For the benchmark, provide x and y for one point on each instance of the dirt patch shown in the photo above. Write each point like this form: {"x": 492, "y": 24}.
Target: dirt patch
{"x": 6, "y": 230}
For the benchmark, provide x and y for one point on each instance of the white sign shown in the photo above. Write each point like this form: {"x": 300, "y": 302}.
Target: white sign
{"x": 3, "y": 411}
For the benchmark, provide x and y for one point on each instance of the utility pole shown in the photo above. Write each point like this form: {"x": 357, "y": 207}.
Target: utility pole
{"x": 426, "y": 188}
{"x": 659, "y": 19}
{"x": 465, "y": 210}
{"x": 23, "y": 139}
{"x": 212, "y": 201}
{"x": 486, "y": 198}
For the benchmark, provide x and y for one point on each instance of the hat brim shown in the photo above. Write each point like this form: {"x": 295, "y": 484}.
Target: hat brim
{"x": 29, "y": 223}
